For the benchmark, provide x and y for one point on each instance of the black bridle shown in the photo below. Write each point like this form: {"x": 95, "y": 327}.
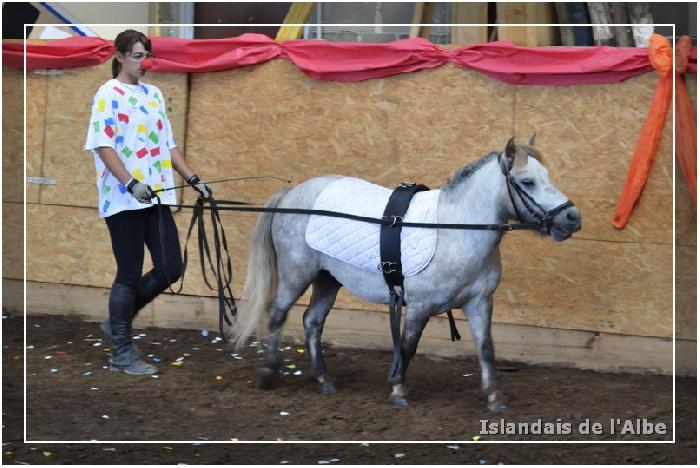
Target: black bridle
{"x": 544, "y": 217}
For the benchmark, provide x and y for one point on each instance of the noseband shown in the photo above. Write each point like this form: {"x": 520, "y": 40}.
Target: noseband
{"x": 545, "y": 217}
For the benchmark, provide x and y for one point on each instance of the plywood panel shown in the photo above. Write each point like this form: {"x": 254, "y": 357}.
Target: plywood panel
{"x": 68, "y": 113}
{"x": 12, "y": 240}
{"x": 13, "y": 132}
{"x": 587, "y": 285}
{"x": 71, "y": 245}
{"x": 36, "y": 90}
{"x": 419, "y": 126}
{"x": 588, "y": 134}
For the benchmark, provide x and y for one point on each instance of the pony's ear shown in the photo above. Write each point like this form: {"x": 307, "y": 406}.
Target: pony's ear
{"x": 508, "y": 156}
{"x": 530, "y": 140}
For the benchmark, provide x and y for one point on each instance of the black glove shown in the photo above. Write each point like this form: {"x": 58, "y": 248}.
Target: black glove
{"x": 202, "y": 188}
{"x": 142, "y": 192}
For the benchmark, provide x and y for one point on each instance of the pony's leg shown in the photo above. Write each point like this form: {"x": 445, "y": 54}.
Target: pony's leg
{"x": 478, "y": 312}
{"x": 416, "y": 319}
{"x": 286, "y": 296}
{"x": 325, "y": 290}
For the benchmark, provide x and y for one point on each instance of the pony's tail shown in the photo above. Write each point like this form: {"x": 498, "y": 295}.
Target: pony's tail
{"x": 261, "y": 278}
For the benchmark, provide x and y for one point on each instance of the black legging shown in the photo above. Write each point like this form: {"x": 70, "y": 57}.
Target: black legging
{"x": 130, "y": 230}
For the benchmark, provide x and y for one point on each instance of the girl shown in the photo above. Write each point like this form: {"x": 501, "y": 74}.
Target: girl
{"x": 132, "y": 142}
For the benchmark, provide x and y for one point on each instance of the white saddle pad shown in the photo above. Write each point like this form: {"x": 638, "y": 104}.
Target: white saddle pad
{"x": 357, "y": 242}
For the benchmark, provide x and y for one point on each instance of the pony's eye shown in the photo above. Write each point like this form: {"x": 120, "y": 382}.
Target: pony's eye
{"x": 528, "y": 182}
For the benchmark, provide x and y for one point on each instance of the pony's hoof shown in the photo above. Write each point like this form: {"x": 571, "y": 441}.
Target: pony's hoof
{"x": 398, "y": 400}
{"x": 498, "y": 406}
{"x": 266, "y": 377}
{"x": 327, "y": 388}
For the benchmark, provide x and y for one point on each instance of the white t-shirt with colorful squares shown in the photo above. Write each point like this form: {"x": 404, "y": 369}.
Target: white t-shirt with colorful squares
{"x": 132, "y": 120}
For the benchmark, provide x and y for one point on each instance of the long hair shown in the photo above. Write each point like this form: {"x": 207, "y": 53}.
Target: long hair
{"x": 124, "y": 42}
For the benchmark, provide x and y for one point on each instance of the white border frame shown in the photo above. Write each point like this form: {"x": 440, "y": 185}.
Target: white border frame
{"x": 673, "y": 423}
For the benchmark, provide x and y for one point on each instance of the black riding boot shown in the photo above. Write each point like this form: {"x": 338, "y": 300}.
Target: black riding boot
{"x": 121, "y": 310}
{"x": 150, "y": 286}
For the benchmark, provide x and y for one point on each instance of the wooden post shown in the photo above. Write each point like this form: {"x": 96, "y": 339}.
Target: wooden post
{"x": 524, "y": 13}
{"x": 623, "y": 34}
{"x": 600, "y": 15}
{"x": 566, "y": 32}
{"x": 415, "y": 21}
{"x": 469, "y": 13}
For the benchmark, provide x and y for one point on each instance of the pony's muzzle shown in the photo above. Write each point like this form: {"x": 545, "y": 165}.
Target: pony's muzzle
{"x": 566, "y": 223}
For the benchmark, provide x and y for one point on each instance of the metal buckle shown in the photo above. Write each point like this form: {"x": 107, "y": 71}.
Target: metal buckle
{"x": 385, "y": 267}
{"x": 406, "y": 184}
{"x": 394, "y": 219}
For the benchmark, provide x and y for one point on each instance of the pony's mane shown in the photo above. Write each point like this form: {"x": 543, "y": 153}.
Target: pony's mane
{"x": 522, "y": 151}
{"x": 465, "y": 172}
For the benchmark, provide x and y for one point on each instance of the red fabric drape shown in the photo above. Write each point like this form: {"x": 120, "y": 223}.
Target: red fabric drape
{"x": 207, "y": 55}
{"x": 552, "y": 65}
{"x": 352, "y": 61}
{"x": 686, "y": 137}
{"x": 62, "y": 53}
{"x": 660, "y": 55}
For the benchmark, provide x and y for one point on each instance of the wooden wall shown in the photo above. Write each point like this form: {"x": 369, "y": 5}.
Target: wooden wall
{"x": 271, "y": 119}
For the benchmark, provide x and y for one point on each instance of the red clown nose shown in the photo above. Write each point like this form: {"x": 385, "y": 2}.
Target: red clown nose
{"x": 146, "y": 64}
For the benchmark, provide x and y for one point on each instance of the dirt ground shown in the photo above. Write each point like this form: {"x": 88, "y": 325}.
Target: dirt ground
{"x": 206, "y": 393}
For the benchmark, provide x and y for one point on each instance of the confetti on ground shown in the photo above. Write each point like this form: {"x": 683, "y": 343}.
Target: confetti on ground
{"x": 283, "y": 462}
{"x": 205, "y": 332}
{"x": 109, "y": 449}
{"x": 167, "y": 448}
{"x": 176, "y": 363}
{"x": 181, "y": 358}
{"x": 155, "y": 376}
{"x": 399, "y": 455}
{"x": 323, "y": 462}
{"x": 300, "y": 350}
{"x": 218, "y": 377}
{"x": 482, "y": 462}
{"x": 455, "y": 447}
{"x": 467, "y": 375}
{"x": 47, "y": 454}
{"x": 86, "y": 373}
{"x": 298, "y": 372}
{"x": 284, "y": 413}
{"x": 476, "y": 437}
{"x": 54, "y": 370}
{"x": 291, "y": 366}
{"x": 30, "y": 347}
{"x": 364, "y": 444}
{"x": 104, "y": 416}
{"x": 98, "y": 344}
{"x": 48, "y": 357}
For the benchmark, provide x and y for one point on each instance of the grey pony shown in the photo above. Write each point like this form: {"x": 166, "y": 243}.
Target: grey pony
{"x": 463, "y": 274}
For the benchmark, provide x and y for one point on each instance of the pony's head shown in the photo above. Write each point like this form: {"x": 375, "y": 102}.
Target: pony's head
{"x": 532, "y": 198}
